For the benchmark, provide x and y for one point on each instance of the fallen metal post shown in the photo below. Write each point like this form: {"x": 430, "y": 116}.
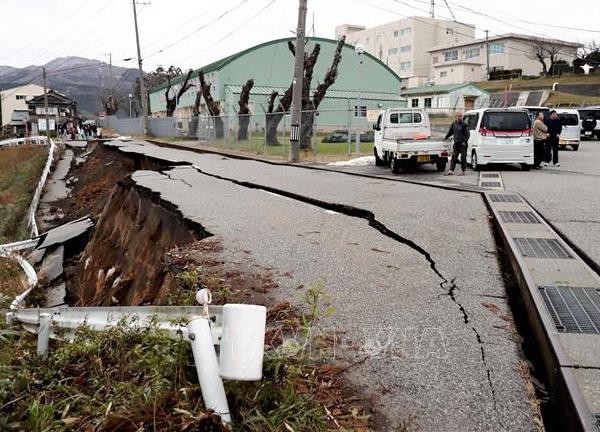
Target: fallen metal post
{"x": 207, "y": 367}
{"x": 44, "y": 334}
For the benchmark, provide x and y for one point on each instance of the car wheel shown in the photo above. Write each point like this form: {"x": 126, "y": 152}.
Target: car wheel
{"x": 378, "y": 160}
{"x": 395, "y": 165}
{"x": 575, "y": 147}
{"x": 525, "y": 167}
{"x": 441, "y": 164}
{"x": 474, "y": 164}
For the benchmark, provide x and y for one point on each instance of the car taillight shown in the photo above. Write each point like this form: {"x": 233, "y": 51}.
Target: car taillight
{"x": 445, "y": 154}
{"x": 484, "y": 132}
{"x": 526, "y": 132}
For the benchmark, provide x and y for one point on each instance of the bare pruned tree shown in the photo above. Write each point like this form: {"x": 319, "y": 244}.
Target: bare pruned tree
{"x": 244, "y": 111}
{"x": 309, "y": 107}
{"x": 111, "y": 103}
{"x": 543, "y": 51}
{"x": 172, "y": 101}
{"x": 214, "y": 107}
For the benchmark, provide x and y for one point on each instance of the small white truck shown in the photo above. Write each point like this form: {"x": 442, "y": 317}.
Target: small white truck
{"x": 402, "y": 140}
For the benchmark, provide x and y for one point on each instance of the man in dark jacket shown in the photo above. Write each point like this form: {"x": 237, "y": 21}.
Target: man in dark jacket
{"x": 460, "y": 131}
{"x": 554, "y": 129}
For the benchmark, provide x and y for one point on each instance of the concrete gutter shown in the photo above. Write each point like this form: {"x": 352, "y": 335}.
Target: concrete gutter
{"x": 571, "y": 358}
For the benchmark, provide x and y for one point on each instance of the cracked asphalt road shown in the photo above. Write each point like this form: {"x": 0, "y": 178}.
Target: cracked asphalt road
{"x": 412, "y": 271}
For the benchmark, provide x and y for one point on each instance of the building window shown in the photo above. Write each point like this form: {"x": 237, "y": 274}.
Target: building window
{"x": 405, "y": 65}
{"x": 360, "y": 113}
{"x": 405, "y": 31}
{"x": 393, "y": 51}
{"x": 395, "y": 33}
{"x": 405, "y": 48}
{"x": 471, "y": 52}
{"x": 441, "y": 102}
{"x": 451, "y": 55}
{"x": 497, "y": 47}
{"x": 427, "y": 102}
{"x": 434, "y": 59}
{"x": 443, "y": 74}
{"x": 21, "y": 97}
{"x": 414, "y": 103}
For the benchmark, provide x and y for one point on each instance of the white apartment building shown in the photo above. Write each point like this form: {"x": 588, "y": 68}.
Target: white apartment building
{"x": 464, "y": 62}
{"x": 403, "y": 45}
{"x": 16, "y": 99}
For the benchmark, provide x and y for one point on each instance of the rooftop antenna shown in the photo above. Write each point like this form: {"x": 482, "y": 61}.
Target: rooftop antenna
{"x": 432, "y": 11}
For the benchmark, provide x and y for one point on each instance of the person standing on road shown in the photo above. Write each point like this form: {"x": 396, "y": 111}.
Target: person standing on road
{"x": 554, "y": 129}
{"x": 460, "y": 131}
{"x": 540, "y": 134}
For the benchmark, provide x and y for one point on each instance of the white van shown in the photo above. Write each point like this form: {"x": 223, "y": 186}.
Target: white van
{"x": 499, "y": 136}
{"x": 398, "y": 124}
{"x": 570, "y": 135}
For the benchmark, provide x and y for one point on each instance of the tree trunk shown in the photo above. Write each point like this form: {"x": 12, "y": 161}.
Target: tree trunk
{"x": 307, "y": 127}
{"x": 172, "y": 102}
{"x": 272, "y": 121}
{"x": 213, "y": 106}
{"x": 244, "y": 111}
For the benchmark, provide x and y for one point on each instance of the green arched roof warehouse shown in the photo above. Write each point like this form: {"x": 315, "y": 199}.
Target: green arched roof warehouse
{"x": 271, "y": 64}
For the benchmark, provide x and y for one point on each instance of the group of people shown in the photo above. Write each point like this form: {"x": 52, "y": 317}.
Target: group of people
{"x": 81, "y": 132}
{"x": 546, "y": 136}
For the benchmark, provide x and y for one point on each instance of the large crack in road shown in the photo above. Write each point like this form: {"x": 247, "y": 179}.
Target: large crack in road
{"x": 448, "y": 285}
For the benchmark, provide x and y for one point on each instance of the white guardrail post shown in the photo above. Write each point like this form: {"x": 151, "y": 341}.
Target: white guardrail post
{"x": 207, "y": 367}
{"x": 239, "y": 329}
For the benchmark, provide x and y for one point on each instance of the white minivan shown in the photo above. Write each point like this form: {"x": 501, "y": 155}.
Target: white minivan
{"x": 570, "y": 135}
{"x": 499, "y": 136}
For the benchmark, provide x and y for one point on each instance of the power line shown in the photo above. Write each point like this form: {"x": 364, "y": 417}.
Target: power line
{"x": 202, "y": 27}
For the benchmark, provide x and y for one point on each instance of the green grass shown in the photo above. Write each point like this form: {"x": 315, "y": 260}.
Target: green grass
{"x": 20, "y": 170}
{"x": 567, "y": 99}
{"x": 539, "y": 83}
{"x": 256, "y": 145}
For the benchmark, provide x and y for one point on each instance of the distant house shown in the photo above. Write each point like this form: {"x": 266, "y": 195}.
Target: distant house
{"x": 16, "y": 99}
{"x": 466, "y": 61}
{"x": 446, "y": 99}
{"x": 61, "y": 110}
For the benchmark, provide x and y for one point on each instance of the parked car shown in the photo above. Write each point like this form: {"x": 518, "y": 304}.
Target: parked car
{"x": 499, "y": 136}
{"x": 590, "y": 122}
{"x": 336, "y": 136}
{"x": 402, "y": 140}
{"x": 570, "y": 135}
{"x": 397, "y": 124}
{"x": 533, "y": 111}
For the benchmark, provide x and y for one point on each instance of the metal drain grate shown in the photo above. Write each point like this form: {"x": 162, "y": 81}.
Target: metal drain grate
{"x": 505, "y": 198}
{"x": 490, "y": 175}
{"x": 491, "y": 184}
{"x": 525, "y": 217}
{"x": 573, "y": 309}
{"x": 541, "y": 248}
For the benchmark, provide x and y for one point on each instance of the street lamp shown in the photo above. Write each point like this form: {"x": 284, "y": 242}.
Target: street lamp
{"x": 130, "y": 99}
{"x": 359, "y": 49}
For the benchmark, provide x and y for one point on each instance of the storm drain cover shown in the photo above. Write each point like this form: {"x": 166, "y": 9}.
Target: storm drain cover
{"x": 491, "y": 184}
{"x": 505, "y": 198}
{"x": 490, "y": 175}
{"x": 573, "y": 309}
{"x": 541, "y": 248}
{"x": 525, "y": 217}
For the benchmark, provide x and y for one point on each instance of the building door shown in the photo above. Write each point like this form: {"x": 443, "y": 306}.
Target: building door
{"x": 470, "y": 102}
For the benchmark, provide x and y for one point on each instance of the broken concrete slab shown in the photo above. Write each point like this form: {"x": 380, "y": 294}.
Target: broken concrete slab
{"x": 65, "y": 232}
{"x": 55, "y": 296}
{"x": 52, "y": 266}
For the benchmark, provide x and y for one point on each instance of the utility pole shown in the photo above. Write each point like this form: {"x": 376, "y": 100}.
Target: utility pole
{"x": 46, "y": 106}
{"x": 297, "y": 83}
{"x": 110, "y": 78}
{"x": 487, "y": 54}
{"x": 432, "y": 11}
{"x": 142, "y": 83}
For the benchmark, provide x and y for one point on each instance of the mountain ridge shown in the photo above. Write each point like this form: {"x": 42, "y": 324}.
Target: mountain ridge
{"x": 79, "y": 78}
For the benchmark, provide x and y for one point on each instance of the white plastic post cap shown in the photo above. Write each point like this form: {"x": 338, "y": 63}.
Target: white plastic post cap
{"x": 204, "y": 296}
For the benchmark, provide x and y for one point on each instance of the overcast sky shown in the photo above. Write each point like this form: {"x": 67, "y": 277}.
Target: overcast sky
{"x": 192, "y": 33}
